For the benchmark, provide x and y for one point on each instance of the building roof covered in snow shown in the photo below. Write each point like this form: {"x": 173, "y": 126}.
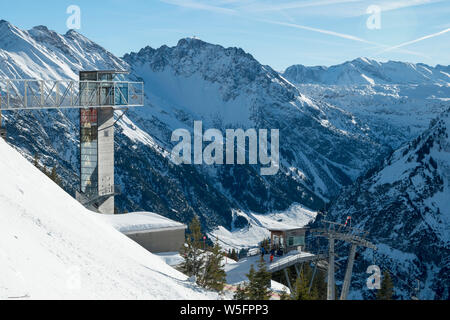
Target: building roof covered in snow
{"x": 286, "y": 229}
{"x": 142, "y": 222}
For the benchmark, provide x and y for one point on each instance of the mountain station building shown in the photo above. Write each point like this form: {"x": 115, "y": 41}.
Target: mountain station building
{"x": 288, "y": 239}
{"x": 155, "y": 233}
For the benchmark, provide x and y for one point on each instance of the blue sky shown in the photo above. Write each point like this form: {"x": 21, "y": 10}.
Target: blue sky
{"x": 278, "y": 33}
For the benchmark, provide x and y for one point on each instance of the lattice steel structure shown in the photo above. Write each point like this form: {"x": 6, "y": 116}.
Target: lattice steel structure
{"x": 19, "y": 94}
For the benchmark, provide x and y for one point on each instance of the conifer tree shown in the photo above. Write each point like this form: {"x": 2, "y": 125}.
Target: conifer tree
{"x": 242, "y": 253}
{"x": 258, "y": 286}
{"x": 214, "y": 276}
{"x": 192, "y": 251}
{"x": 387, "y": 288}
{"x": 241, "y": 293}
{"x": 320, "y": 285}
{"x": 285, "y": 296}
{"x": 36, "y": 161}
{"x": 302, "y": 291}
{"x": 54, "y": 176}
{"x": 233, "y": 255}
{"x": 259, "y": 282}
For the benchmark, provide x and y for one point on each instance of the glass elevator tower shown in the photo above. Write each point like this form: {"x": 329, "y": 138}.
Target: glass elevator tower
{"x": 100, "y": 91}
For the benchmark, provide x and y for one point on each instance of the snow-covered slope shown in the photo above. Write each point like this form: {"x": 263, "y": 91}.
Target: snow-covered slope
{"x": 53, "y": 248}
{"x": 406, "y": 208}
{"x": 250, "y": 236}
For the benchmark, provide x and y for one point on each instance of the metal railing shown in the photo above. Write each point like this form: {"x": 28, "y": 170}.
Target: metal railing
{"x": 288, "y": 261}
{"x": 110, "y": 191}
{"x": 26, "y": 94}
{"x": 90, "y": 199}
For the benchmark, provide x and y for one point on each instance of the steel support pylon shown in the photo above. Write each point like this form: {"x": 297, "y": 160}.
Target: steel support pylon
{"x": 348, "y": 272}
{"x": 331, "y": 294}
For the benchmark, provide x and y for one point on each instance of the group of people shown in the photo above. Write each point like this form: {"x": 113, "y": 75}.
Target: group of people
{"x": 273, "y": 252}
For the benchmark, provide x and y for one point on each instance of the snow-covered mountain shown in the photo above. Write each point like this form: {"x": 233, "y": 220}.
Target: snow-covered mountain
{"x": 322, "y": 147}
{"x": 335, "y": 124}
{"x": 44, "y": 54}
{"x": 394, "y": 106}
{"x": 51, "y": 247}
{"x": 405, "y": 207}
{"x": 228, "y": 88}
{"x": 395, "y": 102}
{"x": 364, "y": 71}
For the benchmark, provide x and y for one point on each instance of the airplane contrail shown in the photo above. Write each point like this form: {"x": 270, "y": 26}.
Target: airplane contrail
{"x": 404, "y": 44}
{"x": 324, "y": 31}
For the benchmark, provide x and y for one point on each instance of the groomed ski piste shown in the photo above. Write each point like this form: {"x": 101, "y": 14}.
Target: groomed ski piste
{"x": 51, "y": 247}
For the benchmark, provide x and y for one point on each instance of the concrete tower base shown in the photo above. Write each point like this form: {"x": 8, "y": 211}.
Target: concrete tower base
{"x": 106, "y": 159}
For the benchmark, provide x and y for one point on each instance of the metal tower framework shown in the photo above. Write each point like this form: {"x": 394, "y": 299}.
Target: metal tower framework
{"x": 356, "y": 237}
{"x": 97, "y": 95}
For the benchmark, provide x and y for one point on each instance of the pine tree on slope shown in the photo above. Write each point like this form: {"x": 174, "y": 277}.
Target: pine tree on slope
{"x": 387, "y": 288}
{"x": 194, "y": 256}
{"x": 214, "y": 276}
{"x": 302, "y": 291}
{"x": 259, "y": 283}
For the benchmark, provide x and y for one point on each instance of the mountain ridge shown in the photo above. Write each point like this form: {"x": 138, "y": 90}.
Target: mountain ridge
{"x": 364, "y": 71}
